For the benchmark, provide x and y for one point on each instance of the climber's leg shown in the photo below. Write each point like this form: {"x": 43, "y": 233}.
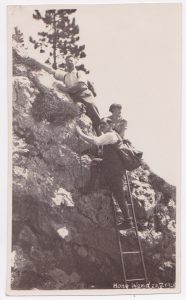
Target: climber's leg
{"x": 93, "y": 113}
{"x": 91, "y": 109}
{"x": 118, "y": 192}
{"x": 115, "y": 183}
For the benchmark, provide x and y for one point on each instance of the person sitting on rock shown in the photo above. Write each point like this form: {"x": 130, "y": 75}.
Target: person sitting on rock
{"x": 111, "y": 165}
{"x": 118, "y": 123}
{"x": 78, "y": 87}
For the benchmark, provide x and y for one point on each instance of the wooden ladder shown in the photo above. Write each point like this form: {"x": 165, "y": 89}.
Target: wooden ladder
{"x": 138, "y": 251}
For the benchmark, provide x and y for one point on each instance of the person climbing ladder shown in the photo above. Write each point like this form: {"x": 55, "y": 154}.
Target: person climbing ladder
{"x": 111, "y": 166}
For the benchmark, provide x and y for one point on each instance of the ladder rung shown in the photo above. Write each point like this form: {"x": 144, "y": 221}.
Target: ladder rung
{"x": 129, "y": 203}
{"x": 133, "y": 227}
{"x": 131, "y": 252}
{"x": 135, "y": 279}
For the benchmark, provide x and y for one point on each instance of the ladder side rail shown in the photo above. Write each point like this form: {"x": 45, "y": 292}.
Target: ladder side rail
{"x": 136, "y": 227}
{"x": 120, "y": 247}
{"x": 81, "y": 167}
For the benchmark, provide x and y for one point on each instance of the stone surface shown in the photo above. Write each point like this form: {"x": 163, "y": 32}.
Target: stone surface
{"x": 61, "y": 238}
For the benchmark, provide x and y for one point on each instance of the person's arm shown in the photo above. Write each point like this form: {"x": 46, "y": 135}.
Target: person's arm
{"x": 87, "y": 138}
{"x": 32, "y": 61}
{"x": 78, "y": 87}
{"x": 123, "y": 129}
{"x": 122, "y": 132}
{"x": 104, "y": 139}
{"x": 47, "y": 69}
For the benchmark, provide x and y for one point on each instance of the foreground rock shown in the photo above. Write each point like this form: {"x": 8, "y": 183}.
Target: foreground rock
{"x": 61, "y": 239}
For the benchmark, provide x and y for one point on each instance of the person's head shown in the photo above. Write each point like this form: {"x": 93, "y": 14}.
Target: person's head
{"x": 115, "y": 109}
{"x": 70, "y": 62}
{"x": 105, "y": 125}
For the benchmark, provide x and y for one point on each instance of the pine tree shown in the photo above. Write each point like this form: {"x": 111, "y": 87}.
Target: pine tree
{"x": 18, "y": 36}
{"x": 60, "y": 37}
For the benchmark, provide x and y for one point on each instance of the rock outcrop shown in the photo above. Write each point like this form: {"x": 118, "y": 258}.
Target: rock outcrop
{"x": 62, "y": 239}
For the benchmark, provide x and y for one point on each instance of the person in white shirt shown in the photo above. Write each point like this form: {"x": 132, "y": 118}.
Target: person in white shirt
{"x": 78, "y": 87}
{"x": 111, "y": 165}
{"x": 118, "y": 123}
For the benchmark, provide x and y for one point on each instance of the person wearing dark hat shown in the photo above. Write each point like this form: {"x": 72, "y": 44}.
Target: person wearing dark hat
{"x": 111, "y": 165}
{"x": 118, "y": 123}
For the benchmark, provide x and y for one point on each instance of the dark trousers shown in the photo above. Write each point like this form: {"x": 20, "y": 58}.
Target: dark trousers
{"x": 91, "y": 109}
{"x": 115, "y": 183}
{"x": 93, "y": 113}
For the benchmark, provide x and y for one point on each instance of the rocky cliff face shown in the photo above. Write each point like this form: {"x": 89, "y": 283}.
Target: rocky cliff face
{"x": 62, "y": 239}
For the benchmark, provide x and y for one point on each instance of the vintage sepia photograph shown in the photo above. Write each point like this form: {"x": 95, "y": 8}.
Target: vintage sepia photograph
{"x": 94, "y": 145}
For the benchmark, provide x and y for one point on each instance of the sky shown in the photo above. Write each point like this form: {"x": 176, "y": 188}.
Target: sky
{"x": 134, "y": 55}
